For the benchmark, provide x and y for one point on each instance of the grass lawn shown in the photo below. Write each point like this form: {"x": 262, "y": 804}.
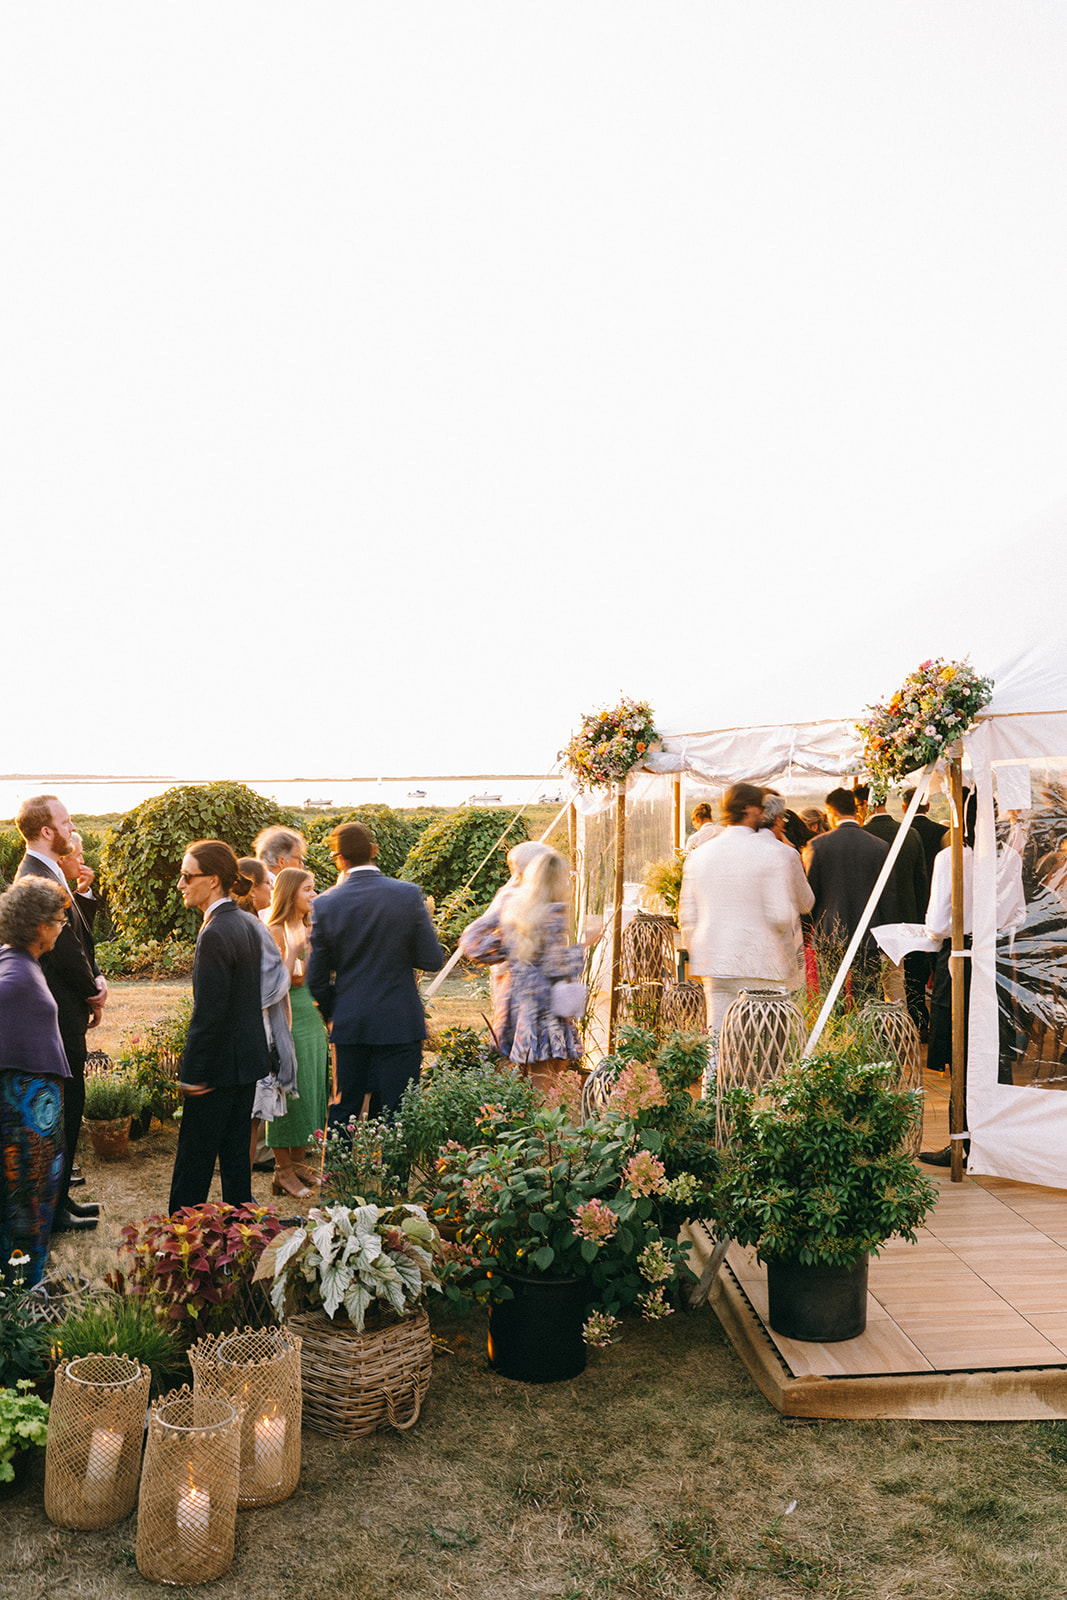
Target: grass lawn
{"x": 659, "y": 1472}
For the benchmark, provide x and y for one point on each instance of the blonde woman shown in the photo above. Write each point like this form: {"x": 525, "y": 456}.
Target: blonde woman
{"x": 528, "y": 931}
{"x": 289, "y": 921}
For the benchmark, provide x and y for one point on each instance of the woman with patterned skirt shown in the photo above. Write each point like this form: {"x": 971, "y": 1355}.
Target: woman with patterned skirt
{"x": 33, "y": 1065}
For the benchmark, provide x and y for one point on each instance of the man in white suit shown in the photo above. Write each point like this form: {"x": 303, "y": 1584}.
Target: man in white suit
{"x": 742, "y": 896}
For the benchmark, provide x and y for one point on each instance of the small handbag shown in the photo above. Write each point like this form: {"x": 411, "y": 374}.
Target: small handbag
{"x": 569, "y": 999}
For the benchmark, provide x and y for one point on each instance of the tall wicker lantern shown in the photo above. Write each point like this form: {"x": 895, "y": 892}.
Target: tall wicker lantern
{"x": 762, "y": 1032}
{"x": 648, "y": 966}
{"x": 95, "y": 1435}
{"x": 187, "y": 1508}
{"x": 890, "y": 1032}
{"x": 684, "y": 1009}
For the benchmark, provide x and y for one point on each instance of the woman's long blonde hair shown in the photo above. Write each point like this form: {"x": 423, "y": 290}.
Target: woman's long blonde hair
{"x": 545, "y": 883}
{"x": 283, "y": 899}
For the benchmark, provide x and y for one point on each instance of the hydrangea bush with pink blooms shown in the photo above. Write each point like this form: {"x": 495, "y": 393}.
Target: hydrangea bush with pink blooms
{"x": 934, "y": 706}
{"x": 609, "y": 744}
{"x": 602, "y": 1201}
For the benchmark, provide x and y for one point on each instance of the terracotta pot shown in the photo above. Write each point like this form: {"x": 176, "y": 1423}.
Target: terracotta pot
{"x": 110, "y": 1140}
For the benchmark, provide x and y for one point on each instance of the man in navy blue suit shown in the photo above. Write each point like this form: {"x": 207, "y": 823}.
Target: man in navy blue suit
{"x": 368, "y": 936}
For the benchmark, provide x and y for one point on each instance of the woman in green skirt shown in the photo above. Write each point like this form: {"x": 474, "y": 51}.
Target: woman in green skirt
{"x": 289, "y": 921}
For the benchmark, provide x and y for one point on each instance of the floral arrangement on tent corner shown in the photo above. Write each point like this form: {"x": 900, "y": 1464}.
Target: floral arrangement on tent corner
{"x": 356, "y": 1260}
{"x": 934, "y": 705}
{"x": 610, "y": 744}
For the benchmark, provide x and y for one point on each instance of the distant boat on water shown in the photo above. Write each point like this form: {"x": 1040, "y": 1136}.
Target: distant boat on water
{"x": 317, "y": 805}
{"x": 416, "y": 794}
{"x": 482, "y": 800}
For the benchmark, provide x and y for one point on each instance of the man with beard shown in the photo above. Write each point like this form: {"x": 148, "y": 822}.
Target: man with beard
{"x": 74, "y": 980}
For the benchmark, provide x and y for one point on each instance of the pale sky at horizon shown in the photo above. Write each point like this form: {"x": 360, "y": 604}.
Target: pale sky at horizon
{"x": 383, "y": 387}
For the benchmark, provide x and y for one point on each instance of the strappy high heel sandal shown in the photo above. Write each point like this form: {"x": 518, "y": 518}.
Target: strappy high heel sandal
{"x": 287, "y": 1181}
{"x": 305, "y": 1173}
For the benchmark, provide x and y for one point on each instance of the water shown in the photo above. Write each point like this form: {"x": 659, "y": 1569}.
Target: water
{"x": 98, "y": 797}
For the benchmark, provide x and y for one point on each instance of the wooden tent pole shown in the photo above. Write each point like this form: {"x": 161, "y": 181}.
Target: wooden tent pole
{"x": 616, "y": 919}
{"x": 572, "y": 845}
{"x": 679, "y": 827}
{"x": 957, "y": 1112}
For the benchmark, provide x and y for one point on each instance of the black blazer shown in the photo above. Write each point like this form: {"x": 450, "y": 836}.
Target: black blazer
{"x": 843, "y": 867}
{"x": 70, "y": 967}
{"x": 910, "y": 880}
{"x": 226, "y": 1044}
{"x": 367, "y": 936}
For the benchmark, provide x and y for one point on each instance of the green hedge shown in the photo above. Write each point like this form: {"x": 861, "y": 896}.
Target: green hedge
{"x": 394, "y": 833}
{"x": 452, "y": 847}
{"x": 142, "y": 856}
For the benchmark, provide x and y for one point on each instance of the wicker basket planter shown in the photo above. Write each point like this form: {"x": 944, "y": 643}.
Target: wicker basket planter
{"x": 95, "y": 1434}
{"x": 187, "y": 1509}
{"x": 260, "y": 1367}
{"x": 353, "y": 1382}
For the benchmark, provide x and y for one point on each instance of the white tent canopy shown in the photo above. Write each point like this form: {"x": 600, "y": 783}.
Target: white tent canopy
{"x": 1018, "y": 754}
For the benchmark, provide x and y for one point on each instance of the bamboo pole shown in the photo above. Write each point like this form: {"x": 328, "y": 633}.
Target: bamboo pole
{"x": 616, "y": 918}
{"x": 957, "y": 1113}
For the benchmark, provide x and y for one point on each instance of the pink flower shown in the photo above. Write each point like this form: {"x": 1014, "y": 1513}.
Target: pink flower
{"x": 637, "y": 1088}
{"x": 595, "y": 1221}
{"x": 645, "y": 1174}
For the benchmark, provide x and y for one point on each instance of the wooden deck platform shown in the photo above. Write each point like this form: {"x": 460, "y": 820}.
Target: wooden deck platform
{"x": 967, "y": 1324}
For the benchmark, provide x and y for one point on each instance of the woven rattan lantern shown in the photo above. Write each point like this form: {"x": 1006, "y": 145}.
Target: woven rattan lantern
{"x": 353, "y": 1382}
{"x": 762, "y": 1032}
{"x": 261, "y": 1368}
{"x": 187, "y": 1510}
{"x": 891, "y": 1035}
{"x": 95, "y": 1434}
{"x": 684, "y": 1009}
{"x": 648, "y": 966}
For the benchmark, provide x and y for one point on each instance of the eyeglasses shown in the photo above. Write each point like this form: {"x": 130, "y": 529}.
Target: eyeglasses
{"x": 187, "y": 877}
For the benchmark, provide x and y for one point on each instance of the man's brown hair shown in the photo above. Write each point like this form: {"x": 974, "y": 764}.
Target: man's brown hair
{"x": 353, "y": 842}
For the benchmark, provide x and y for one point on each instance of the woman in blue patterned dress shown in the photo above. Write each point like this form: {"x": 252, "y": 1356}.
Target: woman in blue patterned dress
{"x": 33, "y": 1066}
{"x": 528, "y": 931}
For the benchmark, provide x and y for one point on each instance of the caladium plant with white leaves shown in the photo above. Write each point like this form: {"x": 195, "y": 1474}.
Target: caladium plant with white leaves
{"x": 351, "y": 1259}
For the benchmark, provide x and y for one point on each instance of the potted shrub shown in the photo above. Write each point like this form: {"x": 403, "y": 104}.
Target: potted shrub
{"x": 112, "y": 1100}
{"x": 446, "y": 1103}
{"x": 816, "y": 1176}
{"x": 564, "y": 1227}
{"x": 352, "y": 1282}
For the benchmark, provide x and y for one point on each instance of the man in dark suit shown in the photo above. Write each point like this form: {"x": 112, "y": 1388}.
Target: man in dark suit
{"x": 931, "y": 833}
{"x": 911, "y": 885}
{"x": 843, "y": 867}
{"x": 368, "y": 935}
{"x": 225, "y": 1050}
{"x": 75, "y": 983}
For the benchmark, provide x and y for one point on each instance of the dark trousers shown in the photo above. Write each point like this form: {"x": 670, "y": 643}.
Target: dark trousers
{"x": 387, "y": 1068}
{"x": 73, "y": 1106}
{"x": 214, "y": 1127}
{"x": 916, "y": 977}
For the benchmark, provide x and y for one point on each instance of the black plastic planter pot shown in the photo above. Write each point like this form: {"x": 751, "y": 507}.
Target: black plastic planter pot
{"x": 537, "y": 1336}
{"x": 819, "y": 1303}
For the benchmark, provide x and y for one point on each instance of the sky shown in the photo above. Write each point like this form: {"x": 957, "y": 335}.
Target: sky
{"x": 382, "y": 387}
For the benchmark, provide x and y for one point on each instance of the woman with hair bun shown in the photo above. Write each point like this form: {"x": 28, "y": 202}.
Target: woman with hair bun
{"x": 226, "y": 1048}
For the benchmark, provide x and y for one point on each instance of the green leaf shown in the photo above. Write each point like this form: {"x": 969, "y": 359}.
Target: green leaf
{"x": 544, "y": 1257}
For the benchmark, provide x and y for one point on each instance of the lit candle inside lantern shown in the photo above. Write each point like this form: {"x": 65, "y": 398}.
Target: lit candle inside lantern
{"x": 105, "y": 1449}
{"x": 270, "y": 1445}
{"x": 194, "y": 1509}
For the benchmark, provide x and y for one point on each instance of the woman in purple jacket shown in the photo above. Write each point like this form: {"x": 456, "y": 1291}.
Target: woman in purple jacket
{"x": 33, "y": 1065}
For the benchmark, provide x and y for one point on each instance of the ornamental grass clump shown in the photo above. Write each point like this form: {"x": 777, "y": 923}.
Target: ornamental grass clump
{"x": 360, "y": 1261}
{"x": 815, "y": 1168}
